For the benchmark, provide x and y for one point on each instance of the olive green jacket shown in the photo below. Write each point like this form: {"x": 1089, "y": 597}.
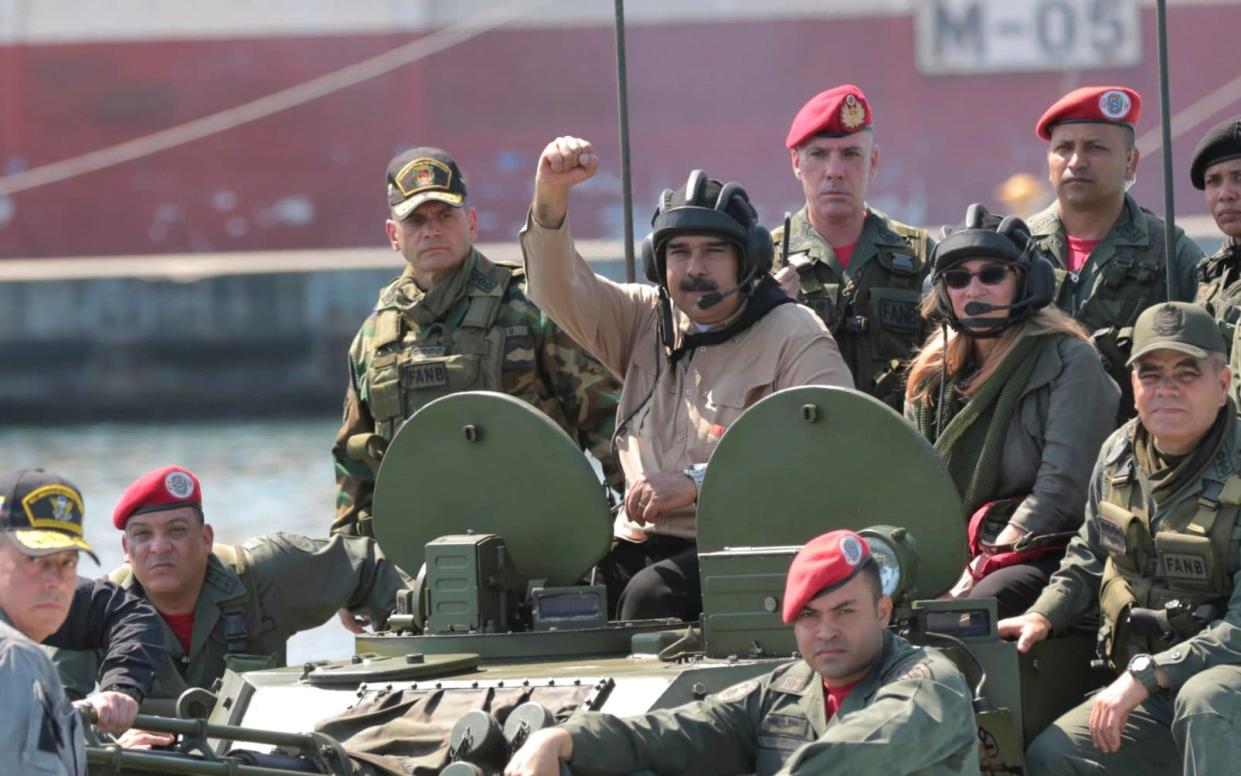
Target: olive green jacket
{"x": 871, "y": 306}
{"x": 912, "y": 714}
{"x": 289, "y": 583}
{"x": 1074, "y": 588}
{"x": 1066, "y": 411}
{"x": 1126, "y": 272}
{"x": 1219, "y": 288}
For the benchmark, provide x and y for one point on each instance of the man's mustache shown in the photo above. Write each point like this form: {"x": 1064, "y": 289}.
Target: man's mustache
{"x": 699, "y": 284}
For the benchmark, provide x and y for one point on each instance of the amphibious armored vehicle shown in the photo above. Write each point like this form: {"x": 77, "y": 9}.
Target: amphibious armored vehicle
{"x": 502, "y": 518}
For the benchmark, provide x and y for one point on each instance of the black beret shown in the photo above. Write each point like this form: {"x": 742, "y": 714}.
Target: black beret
{"x": 1223, "y": 142}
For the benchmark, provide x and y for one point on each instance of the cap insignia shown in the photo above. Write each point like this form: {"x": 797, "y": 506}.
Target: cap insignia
{"x": 179, "y": 485}
{"x": 851, "y": 550}
{"x": 1168, "y": 321}
{"x": 1114, "y": 104}
{"x": 424, "y": 175}
{"x": 852, "y": 115}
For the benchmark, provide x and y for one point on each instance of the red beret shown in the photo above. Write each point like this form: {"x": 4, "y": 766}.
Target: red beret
{"x": 835, "y": 112}
{"x": 825, "y": 563}
{"x": 165, "y": 488}
{"x": 1100, "y": 104}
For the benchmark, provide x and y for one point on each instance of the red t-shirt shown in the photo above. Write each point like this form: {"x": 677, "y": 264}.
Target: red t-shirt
{"x": 834, "y": 696}
{"x": 1079, "y": 251}
{"x": 182, "y": 627}
{"x": 844, "y": 253}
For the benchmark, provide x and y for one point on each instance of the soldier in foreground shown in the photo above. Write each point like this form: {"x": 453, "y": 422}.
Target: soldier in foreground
{"x": 862, "y": 700}
{"x": 1158, "y": 553}
{"x": 1109, "y": 250}
{"x": 227, "y": 606}
{"x": 715, "y": 335}
{"x": 454, "y": 321}
{"x": 859, "y": 270}
{"x": 1216, "y": 170}
{"x": 40, "y": 538}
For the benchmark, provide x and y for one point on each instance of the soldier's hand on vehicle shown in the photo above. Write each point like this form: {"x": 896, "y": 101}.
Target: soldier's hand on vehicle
{"x": 1111, "y": 710}
{"x": 115, "y": 711}
{"x": 542, "y": 754}
{"x": 1029, "y": 629}
{"x": 658, "y": 494}
{"x": 354, "y": 623}
{"x": 144, "y": 739}
{"x": 564, "y": 163}
{"x": 789, "y": 280}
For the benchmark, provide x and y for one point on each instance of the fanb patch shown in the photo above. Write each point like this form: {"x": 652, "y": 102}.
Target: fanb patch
{"x": 898, "y": 315}
{"x": 1182, "y": 566}
{"x": 432, "y": 374}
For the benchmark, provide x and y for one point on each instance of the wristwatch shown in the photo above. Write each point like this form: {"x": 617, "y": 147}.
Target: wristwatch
{"x": 1142, "y": 668}
{"x": 696, "y": 472}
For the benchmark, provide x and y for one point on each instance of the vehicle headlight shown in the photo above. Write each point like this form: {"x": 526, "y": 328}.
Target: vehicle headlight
{"x": 896, "y": 552}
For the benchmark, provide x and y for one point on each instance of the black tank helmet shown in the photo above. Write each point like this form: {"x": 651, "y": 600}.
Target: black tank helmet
{"x": 1002, "y": 239}
{"x": 706, "y": 206}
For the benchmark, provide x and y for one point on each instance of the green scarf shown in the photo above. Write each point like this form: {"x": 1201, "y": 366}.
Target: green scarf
{"x": 425, "y": 307}
{"x": 971, "y": 442}
{"x": 1169, "y": 474}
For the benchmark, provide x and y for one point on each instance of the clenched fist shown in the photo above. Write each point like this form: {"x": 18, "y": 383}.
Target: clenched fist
{"x": 564, "y": 163}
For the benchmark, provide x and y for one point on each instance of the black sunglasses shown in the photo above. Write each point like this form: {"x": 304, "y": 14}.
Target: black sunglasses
{"x": 992, "y": 275}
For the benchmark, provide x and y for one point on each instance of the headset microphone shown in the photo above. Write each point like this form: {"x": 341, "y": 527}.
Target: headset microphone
{"x": 712, "y": 298}
{"x": 979, "y": 308}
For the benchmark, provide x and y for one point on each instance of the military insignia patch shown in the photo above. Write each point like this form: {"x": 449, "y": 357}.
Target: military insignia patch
{"x": 1168, "y": 321}
{"x": 851, "y": 550}
{"x": 423, "y": 175}
{"x": 918, "y": 671}
{"x": 1182, "y": 566}
{"x": 1112, "y": 537}
{"x": 481, "y": 281}
{"x": 427, "y": 375}
{"x": 53, "y": 505}
{"x": 520, "y": 330}
{"x": 737, "y": 691}
{"x": 852, "y": 115}
{"x": 1114, "y": 104}
{"x": 898, "y": 315}
{"x": 179, "y": 485}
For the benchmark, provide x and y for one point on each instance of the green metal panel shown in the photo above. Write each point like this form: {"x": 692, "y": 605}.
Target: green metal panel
{"x": 489, "y": 463}
{"x": 809, "y": 460}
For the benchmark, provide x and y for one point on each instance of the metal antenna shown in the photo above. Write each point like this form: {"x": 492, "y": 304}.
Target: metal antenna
{"x": 622, "y": 98}
{"x": 1165, "y": 120}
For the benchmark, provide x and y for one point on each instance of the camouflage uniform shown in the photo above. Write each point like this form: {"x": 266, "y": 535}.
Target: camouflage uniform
{"x": 1133, "y": 551}
{"x": 871, "y": 307}
{"x": 1219, "y": 288}
{"x": 415, "y": 347}
{"x": 912, "y": 714}
{"x": 1125, "y": 274}
{"x": 254, "y": 598}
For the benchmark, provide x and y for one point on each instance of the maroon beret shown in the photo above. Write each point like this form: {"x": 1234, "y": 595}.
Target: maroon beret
{"x": 825, "y": 563}
{"x": 835, "y": 112}
{"x": 168, "y": 487}
{"x": 1092, "y": 104}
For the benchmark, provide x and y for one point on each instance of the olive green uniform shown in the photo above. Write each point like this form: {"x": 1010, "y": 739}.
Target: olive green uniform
{"x": 912, "y": 714}
{"x": 1219, "y": 288}
{"x": 255, "y": 596}
{"x": 475, "y": 330}
{"x": 1125, "y": 274}
{"x": 1133, "y": 551}
{"x": 870, "y": 307}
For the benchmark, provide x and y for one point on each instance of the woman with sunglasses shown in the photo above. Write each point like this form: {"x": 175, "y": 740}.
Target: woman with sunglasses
{"x": 1018, "y": 407}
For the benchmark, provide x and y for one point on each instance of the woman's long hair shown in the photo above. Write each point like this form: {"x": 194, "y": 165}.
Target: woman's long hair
{"x": 925, "y": 370}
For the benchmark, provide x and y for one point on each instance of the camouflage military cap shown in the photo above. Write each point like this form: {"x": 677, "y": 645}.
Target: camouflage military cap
{"x": 1180, "y": 326}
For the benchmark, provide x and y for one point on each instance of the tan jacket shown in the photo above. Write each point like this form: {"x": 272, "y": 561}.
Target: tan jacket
{"x": 692, "y": 405}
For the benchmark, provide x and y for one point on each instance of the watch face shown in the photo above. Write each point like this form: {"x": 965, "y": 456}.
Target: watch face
{"x": 1140, "y": 662}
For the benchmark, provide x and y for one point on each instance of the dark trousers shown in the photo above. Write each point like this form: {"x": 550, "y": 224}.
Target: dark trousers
{"x": 1015, "y": 588}
{"x": 652, "y": 579}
